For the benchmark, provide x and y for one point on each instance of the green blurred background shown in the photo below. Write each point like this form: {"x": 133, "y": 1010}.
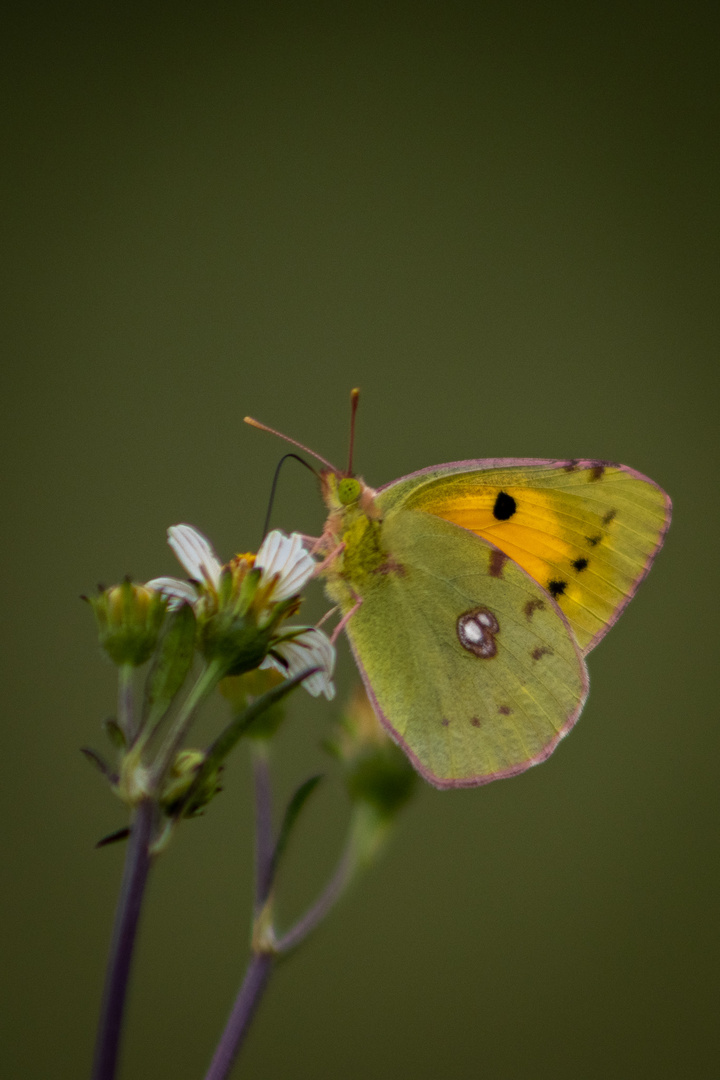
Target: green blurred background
{"x": 501, "y": 221}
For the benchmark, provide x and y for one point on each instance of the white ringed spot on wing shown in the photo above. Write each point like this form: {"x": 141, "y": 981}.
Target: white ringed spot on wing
{"x": 476, "y": 630}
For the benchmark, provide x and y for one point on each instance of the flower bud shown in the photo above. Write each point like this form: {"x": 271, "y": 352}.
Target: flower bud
{"x": 180, "y": 779}
{"x": 377, "y": 773}
{"x": 135, "y": 783}
{"x": 129, "y": 619}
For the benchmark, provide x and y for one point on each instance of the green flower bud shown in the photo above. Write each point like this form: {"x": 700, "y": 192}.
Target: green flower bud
{"x": 377, "y": 772}
{"x": 129, "y": 619}
{"x": 134, "y": 783}
{"x": 181, "y": 778}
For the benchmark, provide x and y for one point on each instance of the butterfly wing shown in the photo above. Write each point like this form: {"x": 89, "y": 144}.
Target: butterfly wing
{"x": 586, "y": 531}
{"x": 469, "y": 663}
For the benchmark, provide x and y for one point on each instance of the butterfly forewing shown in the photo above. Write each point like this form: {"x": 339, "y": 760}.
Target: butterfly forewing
{"x": 470, "y": 664}
{"x": 586, "y": 531}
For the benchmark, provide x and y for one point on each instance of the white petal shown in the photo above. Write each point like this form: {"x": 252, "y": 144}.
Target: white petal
{"x": 311, "y": 648}
{"x": 286, "y": 557}
{"x": 177, "y": 591}
{"x": 195, "y": 553}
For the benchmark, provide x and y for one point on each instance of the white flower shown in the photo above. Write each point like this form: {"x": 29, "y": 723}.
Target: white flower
{"x": 285, "y": 569}
{"x": 177, "y": 591}
{"x": 310, "y": 648}
{"x": 195, "y": 553}
{"x": 285, "y": 558}
{"x": 282, "y": 559}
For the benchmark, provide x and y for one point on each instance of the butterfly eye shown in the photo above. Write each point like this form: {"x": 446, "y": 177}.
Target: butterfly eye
{"x": 348, "y": 491}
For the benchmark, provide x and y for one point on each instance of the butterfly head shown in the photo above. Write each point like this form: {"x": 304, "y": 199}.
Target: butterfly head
{"x": 347, "y": 498}
{"x": 353, "y": 516}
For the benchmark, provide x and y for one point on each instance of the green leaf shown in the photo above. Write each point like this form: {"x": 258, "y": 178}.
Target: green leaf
{"x": 115, "y": 733}
{"x": 239, "y": 726}
{"x": 292, "y": 812}
{"x": 171, "y": 664}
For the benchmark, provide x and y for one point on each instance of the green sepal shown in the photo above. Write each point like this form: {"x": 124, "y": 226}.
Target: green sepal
{"x": 129, "y": 619}
{"x": 235, "y": 641}
{"x": 171, "y": 665}
{"x": 248, "y": 588}
{"x": 231, "y": 735}
{"x": 290, "y": 817}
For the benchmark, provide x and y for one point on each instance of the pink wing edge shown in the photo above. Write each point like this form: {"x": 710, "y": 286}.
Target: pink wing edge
{"x": 504, "y": 774}
{"x": 482, "y": 778}
{"x": 569, "y": 465}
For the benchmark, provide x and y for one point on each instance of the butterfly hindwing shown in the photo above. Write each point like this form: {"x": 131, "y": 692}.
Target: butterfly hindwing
{"x": 586, "y": 531}
{"x": 469, "y": 662}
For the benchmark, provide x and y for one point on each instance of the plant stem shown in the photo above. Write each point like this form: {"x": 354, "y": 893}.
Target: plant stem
{"x": 127, "y": 914}
{"x": 247, "y": 1001}
{"x": 126, "y": 702}
{"x": 207, "y": 681}
{"x": 260, "y": 964}
{"x": 266, "y": 952}
{"x": 327, "y": 899}
{"x": 264, "y": 843}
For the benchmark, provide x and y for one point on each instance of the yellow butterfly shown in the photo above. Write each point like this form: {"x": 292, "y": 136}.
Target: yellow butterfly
{"x": 471, "y": 593}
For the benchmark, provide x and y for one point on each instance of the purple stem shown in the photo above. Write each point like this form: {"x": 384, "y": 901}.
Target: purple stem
{"x": 260, "y": 964}
{"x": 264, "y": 841}
{"x": 127, "y": 914}
{"x": 247, "y": 1001}
{"x": 327, "y": 899}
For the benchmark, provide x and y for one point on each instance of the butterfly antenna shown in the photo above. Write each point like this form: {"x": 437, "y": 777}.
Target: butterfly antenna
{"x": 354, "y": 402}
{"x": 273, "y": 487}
{"x": 293, "y": 442}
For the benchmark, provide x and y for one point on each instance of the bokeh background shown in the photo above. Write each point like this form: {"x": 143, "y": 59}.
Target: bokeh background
{"x": 500, "y": 221}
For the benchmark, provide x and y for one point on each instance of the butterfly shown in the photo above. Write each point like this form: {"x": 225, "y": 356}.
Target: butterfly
{"x": 471, "y": 593}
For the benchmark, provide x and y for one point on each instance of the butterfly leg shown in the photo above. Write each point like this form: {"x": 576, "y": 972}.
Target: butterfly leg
{"x": 321, "y": 567}
{"x": 346, "y": 618}
{"x": 312, "y": 543}
{"x": 326, "y": 616}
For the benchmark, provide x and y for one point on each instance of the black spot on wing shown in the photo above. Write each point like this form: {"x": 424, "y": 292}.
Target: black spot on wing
{"x": 476, "y": 721}
{"x": 504, "y": 710}
{"x": 593, "y": 541}
{"x": 610, "y": 516}
{"x": 596, "y": 473}
{"x": 505, "y": 506}
{"x": 557, "y": 588}
{"x": 580, "y": 564}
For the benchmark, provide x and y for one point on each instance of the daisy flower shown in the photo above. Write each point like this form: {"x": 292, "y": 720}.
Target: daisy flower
{"x": 264, "y": 588}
